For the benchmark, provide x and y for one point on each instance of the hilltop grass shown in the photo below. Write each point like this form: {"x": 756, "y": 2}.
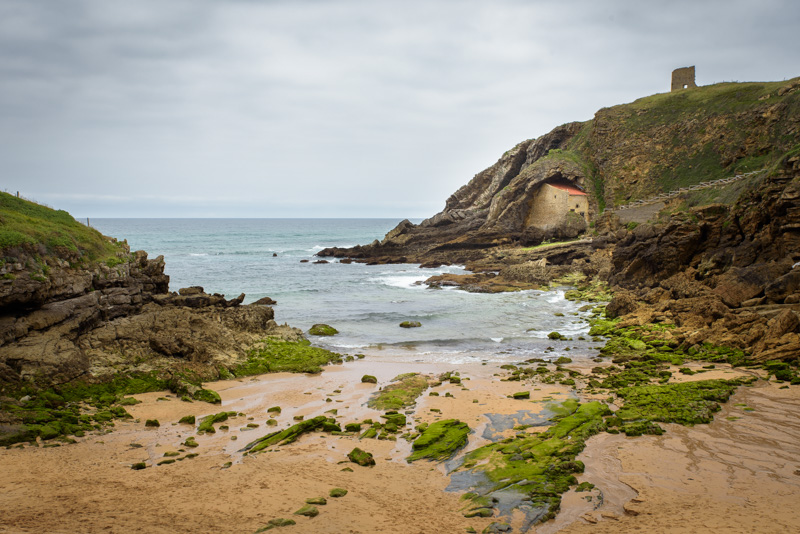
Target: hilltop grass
{"x": 27, "y": 224}
{"x": 701, "y": 134}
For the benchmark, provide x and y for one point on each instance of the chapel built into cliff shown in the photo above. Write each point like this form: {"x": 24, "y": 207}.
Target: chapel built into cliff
{"x": 555, "y": 202}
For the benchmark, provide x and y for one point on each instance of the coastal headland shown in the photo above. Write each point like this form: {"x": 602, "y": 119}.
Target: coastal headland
{"x": 124, "y": 406}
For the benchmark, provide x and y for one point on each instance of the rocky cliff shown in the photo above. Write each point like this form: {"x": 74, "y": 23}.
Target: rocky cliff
{"x": 75, "y": 304}
{"x": 627, "y": 152}
{"x": 718, "y": 266}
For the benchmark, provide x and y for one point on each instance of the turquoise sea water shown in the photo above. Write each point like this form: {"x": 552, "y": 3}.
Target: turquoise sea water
{"x": 262, "y": 257}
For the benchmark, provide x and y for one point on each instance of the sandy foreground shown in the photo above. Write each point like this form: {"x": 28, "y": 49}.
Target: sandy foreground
{"x": 740, "y": 473}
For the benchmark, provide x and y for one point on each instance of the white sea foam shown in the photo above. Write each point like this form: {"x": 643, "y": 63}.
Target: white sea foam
{"x": 405, "y": 282}
{"x": 198, "y": 254}
{"x": 497, "y": 339}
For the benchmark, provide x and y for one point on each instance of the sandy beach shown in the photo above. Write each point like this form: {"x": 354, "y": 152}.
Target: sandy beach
{"x": 734, "y": 475}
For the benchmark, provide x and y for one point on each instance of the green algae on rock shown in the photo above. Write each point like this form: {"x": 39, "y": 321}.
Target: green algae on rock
{"x": 322, "y": 330}
{"x": 319, "y": 501}
{"x": 410, "y": 324}
{"x": 308, "y": 511}
{"x": 289, "y": 435}
{"x": 369, "y": 379}
{"x": 360, "y": 457}
{"x": 152, "y": 423}
{"x": 207, "y": 395}
{"x": 537, "y": 467}
{"x": 440, "y": 440}
{"x": 273, "y": 356}
{"x": 401, "y": 393}
{"x": 187, "y": 419}
{"x": 337, "y": 492}
{"x": 686, "y": 403}
{"x": 275, "y": 523}
{"x": 207, "y": 423}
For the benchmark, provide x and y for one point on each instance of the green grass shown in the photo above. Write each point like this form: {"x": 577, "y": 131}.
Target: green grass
{"x": 26, "y": 224}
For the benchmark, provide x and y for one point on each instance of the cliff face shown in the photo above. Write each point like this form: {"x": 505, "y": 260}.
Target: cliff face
{"x": 626, "y": 153}
{"x": 719, "y": 265}
{"x": 76, "y": 304}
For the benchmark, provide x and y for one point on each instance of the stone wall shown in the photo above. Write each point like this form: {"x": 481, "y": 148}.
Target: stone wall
{"x": 683, "y": 78}
{"x": 551, "y": 205}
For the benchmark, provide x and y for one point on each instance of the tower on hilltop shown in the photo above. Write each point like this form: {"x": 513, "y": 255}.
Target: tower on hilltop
{"x": 683, "y": 78}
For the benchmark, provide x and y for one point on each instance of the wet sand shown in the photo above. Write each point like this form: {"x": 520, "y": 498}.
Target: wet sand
{"x": 738, "y": 475}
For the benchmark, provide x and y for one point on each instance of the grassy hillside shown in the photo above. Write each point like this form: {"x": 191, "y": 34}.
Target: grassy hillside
{"x": 666, "y": 141}
{"x": 31, "y": 226}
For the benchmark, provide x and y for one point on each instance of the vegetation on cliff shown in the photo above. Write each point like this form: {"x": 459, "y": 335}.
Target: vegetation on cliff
{"x": 45, "y": 231}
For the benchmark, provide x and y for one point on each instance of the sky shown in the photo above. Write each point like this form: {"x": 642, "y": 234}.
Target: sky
{"x": 312, "y": 108}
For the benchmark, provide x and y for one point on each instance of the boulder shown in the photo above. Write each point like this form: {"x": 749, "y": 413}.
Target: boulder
{"x": 784, "y": 286}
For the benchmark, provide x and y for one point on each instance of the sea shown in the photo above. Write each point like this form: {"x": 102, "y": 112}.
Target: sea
{"x": 365, "y": 303}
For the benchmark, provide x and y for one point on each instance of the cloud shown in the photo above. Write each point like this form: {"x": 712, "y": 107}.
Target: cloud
{"x": 246, "y": 108}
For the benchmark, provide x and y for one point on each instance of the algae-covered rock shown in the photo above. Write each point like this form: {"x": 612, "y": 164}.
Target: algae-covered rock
{"x": 402, "y": 392}
{"x": 272, "y": 422}
{"x": 369, "y": 433}
{"x": 284, "y": 437}
{"x": 687, "y": 403}
{"x": 539, "y": 467}
{"x": 440, "y": 440}
{"x": 207, "y": 395}
{"x": 497, "y": 528}
{"x": 273, "y": 356}
{"x": 322, "y": 330}
{"x": 153, "y": 423}
{"x": 275, "y": 523}
{"x": 360, "y": 457}
{"x": 479, "y": 512}
{"x": 556, "y": 336}
{"x": 138, "y": 465}
{"x": 190, "y": 442}
{"x": 308, "y": 511}
{"x": 208, "y": 422}
{"x": 410, "y": 324}
{"x": 329, "y": 426}
{"x": 394, "y": 419}
{"x": 522, "y": 395}
{"x": 352, "y": 427}
{"x": 369, "y": 379}
{"x": 319, "y": 501}
{"x": 337, "y": 492}
{"x": 188, "y": 419}
{"x": 274, "y": 409}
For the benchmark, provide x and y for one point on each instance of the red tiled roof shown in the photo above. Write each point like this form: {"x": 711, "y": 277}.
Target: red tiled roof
{"x": 572, "y": 190}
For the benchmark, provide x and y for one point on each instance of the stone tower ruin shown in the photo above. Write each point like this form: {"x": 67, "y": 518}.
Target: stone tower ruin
{"x": 683, "y": 78}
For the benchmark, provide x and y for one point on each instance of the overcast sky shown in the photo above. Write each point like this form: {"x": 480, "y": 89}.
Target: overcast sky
{"x": 304, "y": 108}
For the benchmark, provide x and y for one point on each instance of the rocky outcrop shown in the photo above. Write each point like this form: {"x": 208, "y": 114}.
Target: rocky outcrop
{"x": 722, "y": 275}
{"x": 60, "y": 321}
{"x": 721, "y": 265}
{"x": 626, "y": 153}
